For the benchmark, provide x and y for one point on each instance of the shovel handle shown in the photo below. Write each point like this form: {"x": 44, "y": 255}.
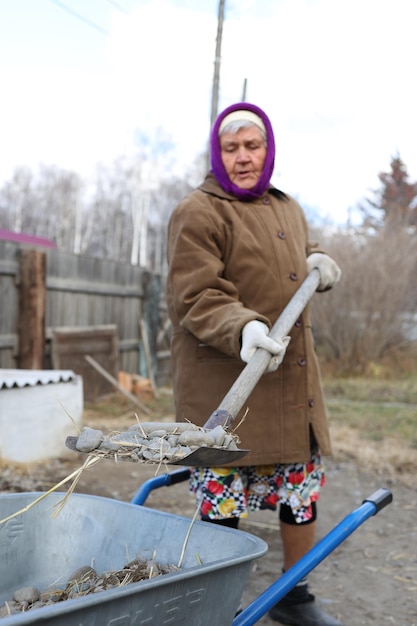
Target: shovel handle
{"x": 252, "y": 372}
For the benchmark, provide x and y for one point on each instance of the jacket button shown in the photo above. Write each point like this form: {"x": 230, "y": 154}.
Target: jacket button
{"x": 298, "y": 323}
{"x": 311, "y": 403}
{"x": 281, "y": 235}
{"x": 301, "y": 361}
{"x": 266, "y": 200}
{"x": 294, "y": 276}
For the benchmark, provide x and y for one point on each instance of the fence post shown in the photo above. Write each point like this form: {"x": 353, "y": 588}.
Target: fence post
{"x": 32, "y": 306}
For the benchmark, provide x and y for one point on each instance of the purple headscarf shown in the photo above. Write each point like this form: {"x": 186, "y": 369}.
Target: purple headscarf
{"x": 218, "y": 168}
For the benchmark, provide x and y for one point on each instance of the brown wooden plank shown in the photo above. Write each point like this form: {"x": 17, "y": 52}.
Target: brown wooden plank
{"x": 70, "y": 345}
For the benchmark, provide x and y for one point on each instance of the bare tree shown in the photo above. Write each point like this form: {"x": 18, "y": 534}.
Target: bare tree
{"x": 163, "y": 202}
{"x": 42, "y": 204}
{"x": 15, "y": 199}
{"x": 365, "y": 315}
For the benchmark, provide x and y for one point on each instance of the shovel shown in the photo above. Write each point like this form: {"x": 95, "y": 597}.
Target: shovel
{"x": 240, "y": 391}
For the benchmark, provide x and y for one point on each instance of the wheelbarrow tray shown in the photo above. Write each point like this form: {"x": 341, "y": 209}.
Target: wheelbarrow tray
{"x": 37, "y": 549}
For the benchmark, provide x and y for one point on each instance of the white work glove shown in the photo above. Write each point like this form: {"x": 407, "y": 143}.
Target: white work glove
{"x": 330, "y": 272}
{"x": 255, "y": 335}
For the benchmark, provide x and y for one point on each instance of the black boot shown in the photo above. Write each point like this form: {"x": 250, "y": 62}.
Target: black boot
{"x": 298, "y": 608}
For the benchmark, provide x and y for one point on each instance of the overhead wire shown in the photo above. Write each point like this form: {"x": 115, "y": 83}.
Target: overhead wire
{"x": 118, "y": 6}
{"x": 80, "y": 17}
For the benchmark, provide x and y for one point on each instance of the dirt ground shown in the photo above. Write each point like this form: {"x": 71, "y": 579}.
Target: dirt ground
{"x": 370, "y": 578}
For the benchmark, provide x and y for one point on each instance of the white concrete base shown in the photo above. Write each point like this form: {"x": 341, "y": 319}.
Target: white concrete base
{"x": 34, "y": 420}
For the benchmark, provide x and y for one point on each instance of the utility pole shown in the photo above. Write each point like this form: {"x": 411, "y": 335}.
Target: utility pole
{"x": 245, "y": 83}
{"x": 217, "y": 60}
{"x": 216, "y": 77}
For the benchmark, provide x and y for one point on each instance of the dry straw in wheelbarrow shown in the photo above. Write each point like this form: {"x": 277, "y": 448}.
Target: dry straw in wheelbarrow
{"x": 38, "y": 550}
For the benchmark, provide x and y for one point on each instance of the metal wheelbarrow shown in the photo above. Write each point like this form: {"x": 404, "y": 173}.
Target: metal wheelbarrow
{"x": 106, "y": 531}
{"x": 37, "y": 549}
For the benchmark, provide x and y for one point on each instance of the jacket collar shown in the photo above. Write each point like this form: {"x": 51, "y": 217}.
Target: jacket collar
{"x": 212, "y": 187}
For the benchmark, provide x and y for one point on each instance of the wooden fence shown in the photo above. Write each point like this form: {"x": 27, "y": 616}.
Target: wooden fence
{"x": 47, "y": 295}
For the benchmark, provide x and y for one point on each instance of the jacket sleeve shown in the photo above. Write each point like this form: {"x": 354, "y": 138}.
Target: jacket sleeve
{"x": 200, "y": 297}
{"x": 313, "y": 247}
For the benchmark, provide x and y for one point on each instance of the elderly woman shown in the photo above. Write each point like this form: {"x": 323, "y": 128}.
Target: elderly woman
{"x": 238, "y": 250}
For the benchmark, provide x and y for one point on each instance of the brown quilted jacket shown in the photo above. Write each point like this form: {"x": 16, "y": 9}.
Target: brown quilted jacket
{"x": 231, "y": 262}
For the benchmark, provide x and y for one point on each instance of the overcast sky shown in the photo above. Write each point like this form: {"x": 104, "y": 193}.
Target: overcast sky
{"x": 81, "y": 80}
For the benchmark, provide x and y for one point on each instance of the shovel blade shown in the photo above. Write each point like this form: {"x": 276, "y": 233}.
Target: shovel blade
{"x": 210, "y": 457}
{"x": 202, "y": 457}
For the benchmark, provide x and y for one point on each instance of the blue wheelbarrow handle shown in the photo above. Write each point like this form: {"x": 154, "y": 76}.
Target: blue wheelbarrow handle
{"x": 163, "y": 480}
{"x": 261, "y": 605}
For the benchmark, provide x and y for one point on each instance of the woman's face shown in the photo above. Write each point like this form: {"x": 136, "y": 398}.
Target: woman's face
{"x": 243, "y": 155}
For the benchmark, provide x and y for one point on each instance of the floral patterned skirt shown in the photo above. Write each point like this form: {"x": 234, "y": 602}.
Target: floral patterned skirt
{"x": 232, "y": 491}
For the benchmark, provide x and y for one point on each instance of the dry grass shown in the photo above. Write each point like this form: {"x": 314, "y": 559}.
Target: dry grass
{"x": 388, "y": 458}
{"x": 373, "y": 423}
{"x": 115, "y": 413}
